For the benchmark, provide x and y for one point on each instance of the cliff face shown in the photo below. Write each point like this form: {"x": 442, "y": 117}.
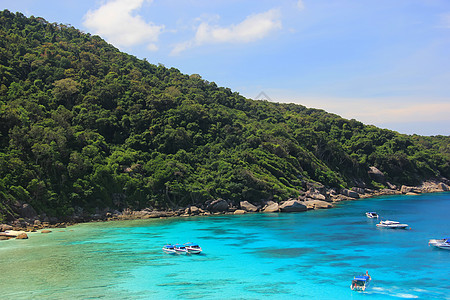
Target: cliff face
{"x": 84, "y": 128}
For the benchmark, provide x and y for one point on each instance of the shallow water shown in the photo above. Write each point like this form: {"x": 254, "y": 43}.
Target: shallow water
{"x": 312, "y": 255}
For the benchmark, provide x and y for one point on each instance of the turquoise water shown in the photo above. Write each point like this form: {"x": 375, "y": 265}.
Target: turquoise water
{"x": 312, "y": 255}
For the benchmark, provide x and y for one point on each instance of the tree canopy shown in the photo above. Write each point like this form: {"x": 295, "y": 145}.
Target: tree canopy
{"x": 85, "y": 125}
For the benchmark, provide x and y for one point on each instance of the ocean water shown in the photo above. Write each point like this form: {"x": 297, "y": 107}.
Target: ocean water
{"x": 311, "y": 255}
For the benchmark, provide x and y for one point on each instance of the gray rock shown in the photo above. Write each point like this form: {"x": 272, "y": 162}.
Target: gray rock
{"x": 27, "y": 211}
{"x": 316, "y": 195}
{"x": 376, "y": 174}
{"x": 271, "y": 207}
{"x": 219, "y": 205}
{"x": 247, "y": 206}
{"x": 349, "y": 193}
{"x": 192, "y": 210}
{"x": 292, "y": 206}
{"x": 358, "y": 190}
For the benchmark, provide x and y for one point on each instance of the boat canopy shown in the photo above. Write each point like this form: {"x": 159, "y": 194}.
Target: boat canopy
{"x": 361, "y": 278}
{"x": 168, "y": 246}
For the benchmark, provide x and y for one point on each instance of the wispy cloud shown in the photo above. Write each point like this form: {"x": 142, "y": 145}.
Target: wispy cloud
{"x": 254, "y": 27}
{"x": 374, "y": 110}
{"x": 118, "y": 23}
{"x": 300, "y": 5}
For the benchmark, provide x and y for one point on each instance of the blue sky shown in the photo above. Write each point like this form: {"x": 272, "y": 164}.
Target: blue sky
{"x": 382, "y": 62}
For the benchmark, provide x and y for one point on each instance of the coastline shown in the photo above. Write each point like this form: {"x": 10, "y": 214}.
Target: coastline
{"x": 316, "y": 197}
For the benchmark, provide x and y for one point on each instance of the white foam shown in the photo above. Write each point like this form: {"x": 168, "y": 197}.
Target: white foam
{"x": 406, "y": 296}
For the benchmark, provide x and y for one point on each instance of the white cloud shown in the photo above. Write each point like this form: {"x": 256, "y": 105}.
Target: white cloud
{"x": 300, "y": 5}
{"x": 381, "y": 110}
{"x": 118, "y": 24}
{"x": 254, "y": 27}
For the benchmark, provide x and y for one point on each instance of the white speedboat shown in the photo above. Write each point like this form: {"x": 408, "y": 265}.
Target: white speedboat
{"x": 372, "y": 215}
{"x": 180, "y": 249}
{"x": 440, "y": 243}
{"x": 193, "y": 248}
{"x": 169, "y": 249}
{"x": 360, "y": 283}
{"x": 392, "y": 224}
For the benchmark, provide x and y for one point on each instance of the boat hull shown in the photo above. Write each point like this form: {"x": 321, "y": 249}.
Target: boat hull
{"x": 440, "y": 243}
{"x": 194, "y": 251}
{"x": 400, "y": 226}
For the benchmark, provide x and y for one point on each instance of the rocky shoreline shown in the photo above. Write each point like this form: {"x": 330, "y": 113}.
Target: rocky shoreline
{"x": 316, "y": 197}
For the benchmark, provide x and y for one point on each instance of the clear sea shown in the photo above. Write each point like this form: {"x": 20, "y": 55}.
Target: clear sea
{"x": 311, "y": 255}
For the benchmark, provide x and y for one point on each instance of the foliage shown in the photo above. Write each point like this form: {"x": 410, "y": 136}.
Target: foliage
{"x": 84, "y": 125}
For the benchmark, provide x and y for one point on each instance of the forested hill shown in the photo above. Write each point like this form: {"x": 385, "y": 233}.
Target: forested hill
{"x": 85, "y": 125}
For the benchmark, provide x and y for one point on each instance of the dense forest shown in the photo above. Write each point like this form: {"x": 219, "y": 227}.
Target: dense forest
{"x": 83, "y": 125}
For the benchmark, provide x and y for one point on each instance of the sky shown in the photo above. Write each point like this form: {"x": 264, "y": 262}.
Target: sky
{"x": 381, "y": 62}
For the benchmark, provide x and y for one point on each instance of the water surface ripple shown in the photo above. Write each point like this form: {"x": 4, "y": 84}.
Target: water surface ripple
{"x": 311, "y": 255}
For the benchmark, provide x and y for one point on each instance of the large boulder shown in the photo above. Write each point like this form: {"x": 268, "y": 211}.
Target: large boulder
{"x": 192, "y": 210}
{"x": 315, "y": 194}
{"x": 292, "y": 206}
{"x": 27, "y": 211}
{"x": 442, "y": 186}
{"x": 247, "y": 206}
{"x": 12, "y": 233}
{"x": 317, "y": 204}
{"x": 376, "y": 174}
{"x": 239, "y": 212}
{"x": 349, "y": 193}
{"x": 359, "y": 190}
{"x": 271, "y": 207}
{"x": 219, "y": 205}
{"x": 4, "y": 227}
{"x": 409, "y": 190}
{"x": 22, "y": 236}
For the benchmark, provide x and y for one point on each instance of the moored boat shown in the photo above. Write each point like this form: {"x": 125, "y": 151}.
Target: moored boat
{"x": 360, "y": 282}
{"x": 180, "y": 249}
{"x": 440, "y": 243}
{"x": 193, "y": 248}
{"x": 169, "y": 249}
{"x": 392, "y": 224}
{"x": 372, "y": 215}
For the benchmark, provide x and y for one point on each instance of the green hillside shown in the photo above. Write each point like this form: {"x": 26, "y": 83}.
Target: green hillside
{"x": 83, "y": 125}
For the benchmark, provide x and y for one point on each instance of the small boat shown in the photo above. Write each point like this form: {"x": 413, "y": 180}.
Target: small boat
{"x": 440, "y": 243}
{"x": 193, "y": 248}
{"x": 392, "y": 224}
{"x": 360, "y": 282}
{"x": 372, "y": 215}
{"x": 180, "y": 249}
{"x": 169, "y": 249}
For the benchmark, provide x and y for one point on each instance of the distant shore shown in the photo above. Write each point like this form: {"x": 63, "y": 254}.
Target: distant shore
{"x": 316, "y": 197}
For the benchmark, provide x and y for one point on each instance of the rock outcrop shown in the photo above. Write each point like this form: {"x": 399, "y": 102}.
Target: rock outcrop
{"x": 293, "y": 206}
{"x": 317, "y": 204}
{"x": 271, "y": 207}
{"x": 22, "y": 236}
{"x": 247, "y": 206}
{"x": 350, "y": 193}
{"x": 219, "y": 205}
{"x": 376, "y": 175}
